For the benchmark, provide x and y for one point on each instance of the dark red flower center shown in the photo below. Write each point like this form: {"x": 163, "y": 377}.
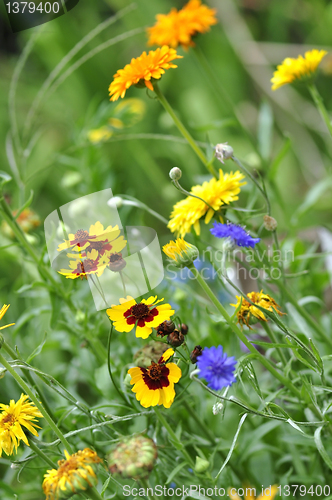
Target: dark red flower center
{"x": 156, "y": 376}
{"x": 96, "y": 245}
{"x": 81, "y": 234}
{"x": 115, "y": 257}
{"x": 140, "y": 311}
{"x": 154, "y": 371}
{"x": 87, "y": 265}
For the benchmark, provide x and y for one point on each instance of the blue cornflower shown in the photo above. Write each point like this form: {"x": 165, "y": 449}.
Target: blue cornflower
{"x": 237, "y": 233}
{"x": 216, "y": 367}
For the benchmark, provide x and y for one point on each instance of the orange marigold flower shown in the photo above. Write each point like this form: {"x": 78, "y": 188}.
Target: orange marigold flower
{"x": 142, "y": 70}
{"x": 155, "y": 385}
{"x": 178, "y": 27}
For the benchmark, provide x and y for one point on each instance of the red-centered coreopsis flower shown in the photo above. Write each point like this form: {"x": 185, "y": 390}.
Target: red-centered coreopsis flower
{"x": 92, "y": 264}
{"x": 142, "y": 70}
{"x": 145, "y": 315}
{"x": 155, "y": 385}
{"x": 85, "y": 240}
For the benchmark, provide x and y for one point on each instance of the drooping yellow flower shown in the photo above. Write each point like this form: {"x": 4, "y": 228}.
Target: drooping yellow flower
{"x": 75, "y": 474}
{"x": 142, "y": 70}
{"x": 98, "y": 135}
{"x": 181, "y": 252}
{"x": 216, "y": 192}
{"x": 145, "y": 315}
{"x": 12, "y": 418}
{"x": 89, "y": 240}
{"x": 302, "y": 68}
{"x": 155, "y": 385}
{"x": 249, "y": 314}
{"x": 3, "y": 311}
{"x": 249, "y": 493}
{"x": 79, "y": 268}
{"x": 178, "y": 27}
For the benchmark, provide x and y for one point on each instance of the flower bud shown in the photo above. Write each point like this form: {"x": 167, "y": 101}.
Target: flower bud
{"x": 217, "y": 408}
{"x": 133, "y": 458}
{"x": 75, "y": 474}
{"x": 116, "y": 262}
{"x": 201, "y": 465}
{"x": 180, "y": 252}
{"x": 165, "y": 328}
{"x": 270, "y": 223}
{"x": 115, "y": 202}
{"x": 175, "y": 174}
{"x": 175, "y": 339}
{"x": 183, "y": 328}
{"x": 223, "y": 152}
{"x": 151, "y": 352}
{"x": 198, "y": 350}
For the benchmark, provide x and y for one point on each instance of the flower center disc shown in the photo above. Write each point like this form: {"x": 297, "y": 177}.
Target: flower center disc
{"x": 154, "y": 371}
{"x": 81, "y": 234}
{"x": 8, "y": 419}
{"x": 140, "y": 311}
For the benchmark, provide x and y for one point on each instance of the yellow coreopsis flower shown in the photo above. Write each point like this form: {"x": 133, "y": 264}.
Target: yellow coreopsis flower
{"x": 75, "y": 474}
{"x": 249, "y": 314}
{"x": 179, "y": 27}
{"x": 3, "y": 311}
{"x": 155, "y": 385}
{"x": 12, "y": 418}
{"x": 145, "y": 315}
{"x": 142, "y": 70}
{"x": 301, "y": 69}
{"x": 216, "y": 192}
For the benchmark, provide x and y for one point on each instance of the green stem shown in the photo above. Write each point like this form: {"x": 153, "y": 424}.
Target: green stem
{"x": 174, "y": 437}
{"x": 40, "y": 407}
{"x": 110, "y": 369}
{"x": 285, "y": 381}
{"x": 183, "y": 129}
{"x": 144, "y": 482}
{"x": 273, "y": 338}
{"x": 29, "y": 377}
{"x": 320, "y": 105}
{"x": 42, "y": 455}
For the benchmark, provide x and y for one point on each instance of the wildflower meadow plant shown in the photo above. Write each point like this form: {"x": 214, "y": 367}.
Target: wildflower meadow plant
{"x": 217, "y": 381}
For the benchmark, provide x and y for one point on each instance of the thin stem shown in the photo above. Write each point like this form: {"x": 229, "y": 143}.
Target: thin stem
{"x": 123, "y": 283}
{"x": 285, "y": 381}
{"x": 42, "y": 455}
{"x": 273, "y": 338}
{"x": 29, "y": 377}
{"x": 40, "y": 407}
{"x": 320, "y": 105}
{"x": 109, "y": 366}
{"x": 144, "y": 482}
{"x": 182, "y": 129}
{"x": 174, "y": 437}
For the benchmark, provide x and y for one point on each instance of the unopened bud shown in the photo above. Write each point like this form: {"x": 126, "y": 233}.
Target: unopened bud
{"x": 201, "y": 465}
{"x": 223, "y": 152}
{"x": 116, "y": 202}
{"x": 133, "y": 458}
{"x": 175, "y": 174}
{"x": 165, "y": 328}
{"x": 198, "y": 350}
{"x": 217, "y": 408}
{"x": 116, "y": 262}
{"x": 270, "y": 223}
{"x": 183, "y": 328}
{"x": 175, "y": 339}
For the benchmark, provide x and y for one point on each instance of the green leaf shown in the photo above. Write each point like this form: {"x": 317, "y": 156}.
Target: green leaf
{"x": 278, "y": 159}
{"x": 26, "y": 204}
{"x": 38, "y": 349}
{"x": 320, "y": 447}
{"x": 227, "y": 459}
{"x": 4, "y": 178}
{"x": 313, "y": 195}
{"x": 175, "y": 471}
